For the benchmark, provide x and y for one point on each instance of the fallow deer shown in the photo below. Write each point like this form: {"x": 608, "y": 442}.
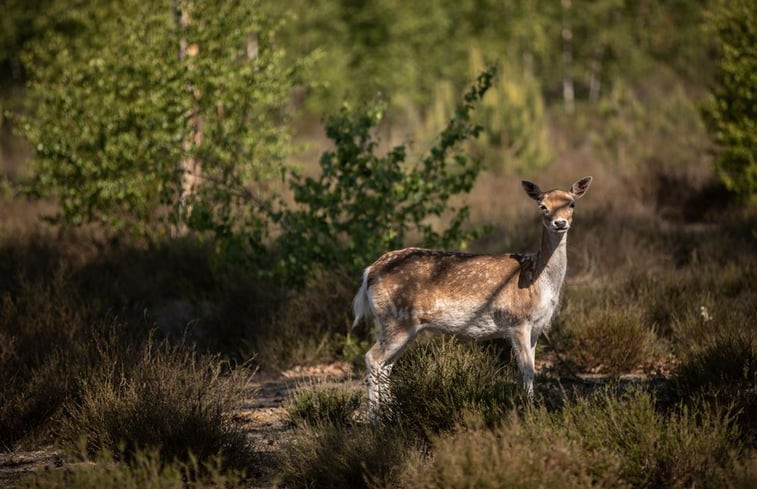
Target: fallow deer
{"x": 476, "y": 296}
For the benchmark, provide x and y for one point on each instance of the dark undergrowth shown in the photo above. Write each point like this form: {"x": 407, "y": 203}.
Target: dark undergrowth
{"x": 458, "y": 426}
{"x": 148, "y": 470}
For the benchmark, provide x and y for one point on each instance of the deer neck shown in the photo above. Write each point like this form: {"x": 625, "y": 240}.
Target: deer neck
{"x": 552, "y": 258}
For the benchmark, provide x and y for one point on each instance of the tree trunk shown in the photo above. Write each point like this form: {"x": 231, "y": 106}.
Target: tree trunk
{"x": 595, "y": 83}
{"x": 567, "y": 58}
{"x": 190, "y": 166}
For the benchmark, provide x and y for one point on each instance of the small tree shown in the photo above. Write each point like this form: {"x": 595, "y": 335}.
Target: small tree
{"x": 731, "y": 114}
{"x": 118, "y": 107}
{"x": 362, "y": 203}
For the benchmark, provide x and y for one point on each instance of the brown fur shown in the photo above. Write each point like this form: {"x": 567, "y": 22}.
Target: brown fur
{"x": 493, "y": 280}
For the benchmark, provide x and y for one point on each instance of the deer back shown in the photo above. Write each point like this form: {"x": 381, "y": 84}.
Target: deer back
{"x": 460, "y": 293}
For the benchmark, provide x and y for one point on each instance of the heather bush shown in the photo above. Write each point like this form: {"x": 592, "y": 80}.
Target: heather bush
{"x": 316, "y": 404}
{"x": 604, "y": 440}
{"x": 602, "y": 336}
{"x": 438, "y": 382}
{"x": 157, "y": 396}
{"x": 337, "y": 456}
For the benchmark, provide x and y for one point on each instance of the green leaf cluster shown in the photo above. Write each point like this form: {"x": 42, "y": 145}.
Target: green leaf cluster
{"x": 123, "y": 98}
{"x": 363, "y": 203}
{"x": 731, "y": 114}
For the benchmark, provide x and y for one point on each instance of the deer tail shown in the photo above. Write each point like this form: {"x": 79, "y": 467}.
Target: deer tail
{"x": 361, "y": 306}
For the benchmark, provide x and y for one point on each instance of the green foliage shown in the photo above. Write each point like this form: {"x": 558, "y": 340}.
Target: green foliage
{"x": 731, "y": 115}
{"x": 513, "y": 115}
{"x": 405, "y": 49}
{"x": 117, "y": 110}
{"x": 363, "y": 204}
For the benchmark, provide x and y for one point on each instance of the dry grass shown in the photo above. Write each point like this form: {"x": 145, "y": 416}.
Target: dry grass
{"x": 156, "y": 397}
{"x": 147, "y": 471}
{"x": 79, "y": 360}
{"x": 599, "y": 336}
{"x": 336, "y": 456}
{"x": 601, "y": 441}
{"x": 316, "y": 404}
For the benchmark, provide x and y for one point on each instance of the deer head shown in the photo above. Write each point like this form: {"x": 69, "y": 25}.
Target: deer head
{"x": 557, "y": 205}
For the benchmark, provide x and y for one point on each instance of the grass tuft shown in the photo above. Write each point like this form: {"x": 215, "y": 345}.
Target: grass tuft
{"x": 440, "y": 381}
{"x": 336, "y": 456}
{"x": 146, "y": 471}
{"x": 157, "y": 397}
{"x": 605, "y": 338}
{"x": 316, "y": 405}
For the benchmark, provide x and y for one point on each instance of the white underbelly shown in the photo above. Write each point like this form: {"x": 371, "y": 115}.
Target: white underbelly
{"x": 474, "y": 326}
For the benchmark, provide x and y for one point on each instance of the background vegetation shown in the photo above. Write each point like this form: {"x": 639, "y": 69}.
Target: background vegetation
{"x": 190, "y": 190}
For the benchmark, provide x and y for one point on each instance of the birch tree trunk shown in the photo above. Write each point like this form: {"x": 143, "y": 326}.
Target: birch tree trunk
{"x": 567, "y": 58}
{"x": 595, "y": 84}
{"x": 190, "y": 166}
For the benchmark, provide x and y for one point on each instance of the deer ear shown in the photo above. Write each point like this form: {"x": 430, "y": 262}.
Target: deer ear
{"x": 532, "y": 190}
{"x": 580, "y": 187}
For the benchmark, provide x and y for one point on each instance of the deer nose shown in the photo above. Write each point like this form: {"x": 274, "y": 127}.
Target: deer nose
{"x": 560, "y": 223}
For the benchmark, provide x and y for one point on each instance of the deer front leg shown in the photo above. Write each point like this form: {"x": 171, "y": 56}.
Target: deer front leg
{"x": 524, "y": 353}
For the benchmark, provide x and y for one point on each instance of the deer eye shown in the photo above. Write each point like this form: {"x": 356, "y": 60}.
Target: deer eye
{"x": 543, "y": 208}
{"x": 572, "y": 204}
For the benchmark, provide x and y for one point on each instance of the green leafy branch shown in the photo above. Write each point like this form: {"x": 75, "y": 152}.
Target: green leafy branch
{"x": 362, "y": 203}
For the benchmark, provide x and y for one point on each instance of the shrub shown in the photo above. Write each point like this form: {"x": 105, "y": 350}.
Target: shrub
{"x": 157, "y": 397}
{"x": 730, "y": 114}
{"x": 723, "y": 373}
{"x": 334, "y": 456}
{"x": 42, "y": 323}
{"x": 658, "y": 449}
{"x": 437, "y": 383}
{"x": 514, "y": 455}
{"x": 315, "y": 405}
{"x": 154, "y": 121}
{"x": 363, "y": 204}
{"x": 600, "y": 441}
{"x": 607, "y": 336}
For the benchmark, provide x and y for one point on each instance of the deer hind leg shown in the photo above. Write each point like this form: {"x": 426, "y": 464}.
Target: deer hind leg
{"x": 524, "y": 350}
{"x": 379, "y": 362}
